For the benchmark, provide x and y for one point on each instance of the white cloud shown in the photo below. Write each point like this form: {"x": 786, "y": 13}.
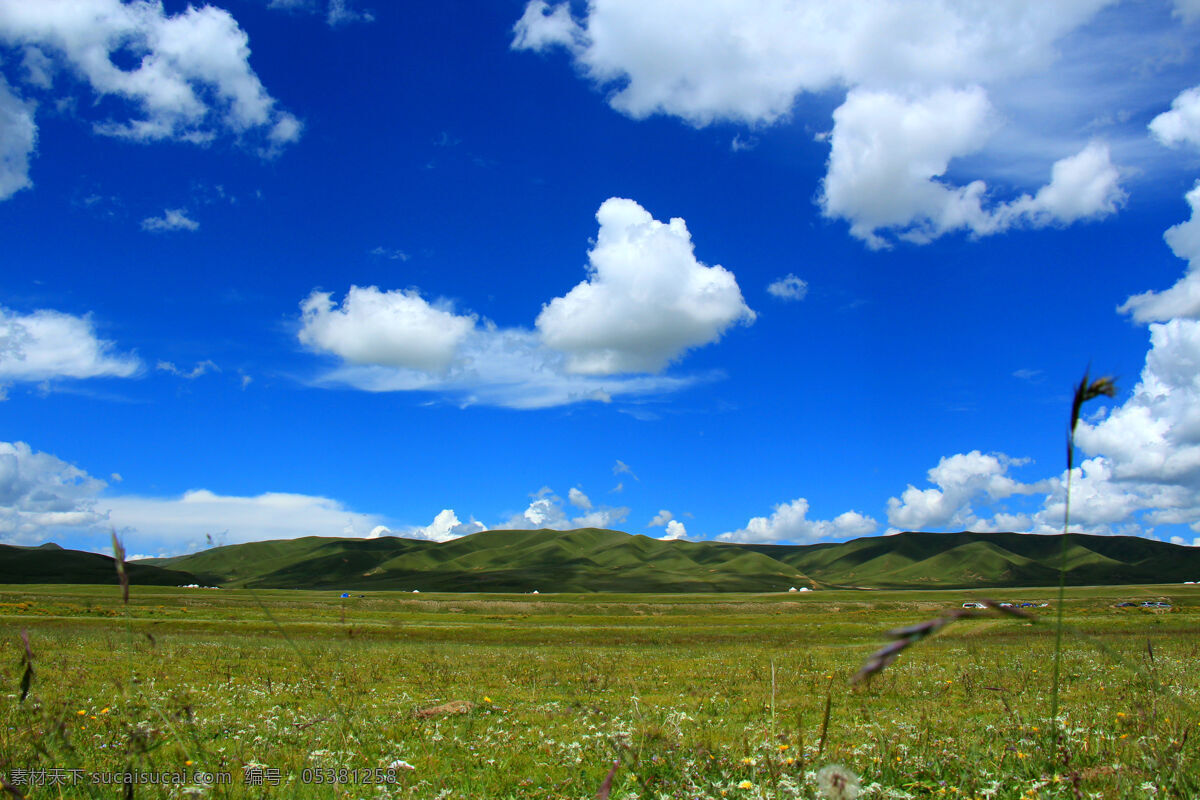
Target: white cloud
{"x": 1154, "y": 436}
{"x": 18, "y": 138}
{"x": 1182, "y": 299}
{"x": 336, "y": 12}
{"x": 39, "y": 69}
{"x": 915, "y": 73}
{"x": 748, "y": 61}
{"x": 890, "y": 154}
{"x": 173, "y": 219}
{"x": 184, "y": 524}
{"x": 789, "y": 287}
{"x": 340, "y": 12}
{"x": 393, "y": 329}
{"x": 645, "y": 304}
{"x": 40, "y": 493}
{"x": 445, "y": 526}
{"x": 647, "y": 300}
{"x": 579, "y": 499}
{"x": 546, "y": 511}
{"x": 1083, "y": 186}
{"x": 960, "y": 480}
{"x": 541, "y": 26}
{"x": 201, "y": 368}
{"x": 390, "y": 253}
{"x": 601, "y": 518}
{"x": 48, "y": 344}
{"x": 1180, "y": 125}
{"x": 42, "y": 496}
{"x": 1143, "y": 469}
{"x": 675, "y": 531}
{"x": 661, "y": 518}
{"x": 738, "y": 144}
{"x": 1097, "y": 501}
{"x": 621, "y": 468}
{"x": 192, "y": 80}
{"x": 508, "y": 368}
{"x": 789, "y": 522}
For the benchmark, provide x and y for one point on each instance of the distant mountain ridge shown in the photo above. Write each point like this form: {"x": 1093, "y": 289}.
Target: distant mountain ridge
{"x": 598, "y": 560}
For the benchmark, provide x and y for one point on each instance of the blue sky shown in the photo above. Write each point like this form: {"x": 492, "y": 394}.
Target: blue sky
{"x": 760, "y": 271}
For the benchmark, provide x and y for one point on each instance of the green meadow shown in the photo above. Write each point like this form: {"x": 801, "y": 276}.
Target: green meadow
{"x": 303, "y": 694}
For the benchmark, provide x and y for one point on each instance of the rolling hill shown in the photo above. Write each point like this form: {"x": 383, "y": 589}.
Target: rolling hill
{"x": 50, "y": 563}
{"x": 595, "y": 560}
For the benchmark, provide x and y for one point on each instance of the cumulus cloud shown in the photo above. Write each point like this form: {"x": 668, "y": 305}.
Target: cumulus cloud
{"x": 1142, "y": 469}
{"x": 646, "y": 301}
{"x": 748, "y": 61}
{"x": 172, "y": 219}
{"x": 914, "y": 72}
{"x": 789, "y": 287}
{"x": 40, "y": 493}
{"x": 890, "y": 154}
{"x": 1183, "y": 299}
{"x": 45, "y": 345}
{"x": 1180, "y": 125}
{"x": 546, "y": 511}
{"x": 675, "y": 531}
{"x": 192, "y": 80}
{"x": 445, "y": 526}
{"x": 18, "y": 138}
{"x": 1154, "y": 436}
{"x": 392, "y": 329}
{"x": 579, "y": 499}
{"x": 789, "y": 523}
{"x": 959, "y": 480}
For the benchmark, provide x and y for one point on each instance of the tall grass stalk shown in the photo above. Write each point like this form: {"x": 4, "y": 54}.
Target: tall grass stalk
{"x": 1084, "y": 392}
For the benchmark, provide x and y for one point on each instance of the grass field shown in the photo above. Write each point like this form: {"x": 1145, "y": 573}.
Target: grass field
{"x": 697, "y": 696}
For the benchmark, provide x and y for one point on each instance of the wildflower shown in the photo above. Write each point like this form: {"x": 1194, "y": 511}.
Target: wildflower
{"x": 835, "y": 782}
{"x": 745, "y": 785}
{"x": 487, "y": 699}
{"x": 398, "y": 764}
{"x": 748, "y": 761}
{"x": 188, "y": 763}
{"x": 81, "y": 712}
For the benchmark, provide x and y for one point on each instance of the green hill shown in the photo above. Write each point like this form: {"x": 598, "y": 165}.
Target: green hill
{"x": 584, "y": 560}
{"x": 916, "y": 559}
{"x": 52, "y": 564}
{"x": 596, "y": 560}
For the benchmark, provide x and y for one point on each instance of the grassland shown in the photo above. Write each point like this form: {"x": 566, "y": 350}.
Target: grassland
{"x": 698, "y": 696}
